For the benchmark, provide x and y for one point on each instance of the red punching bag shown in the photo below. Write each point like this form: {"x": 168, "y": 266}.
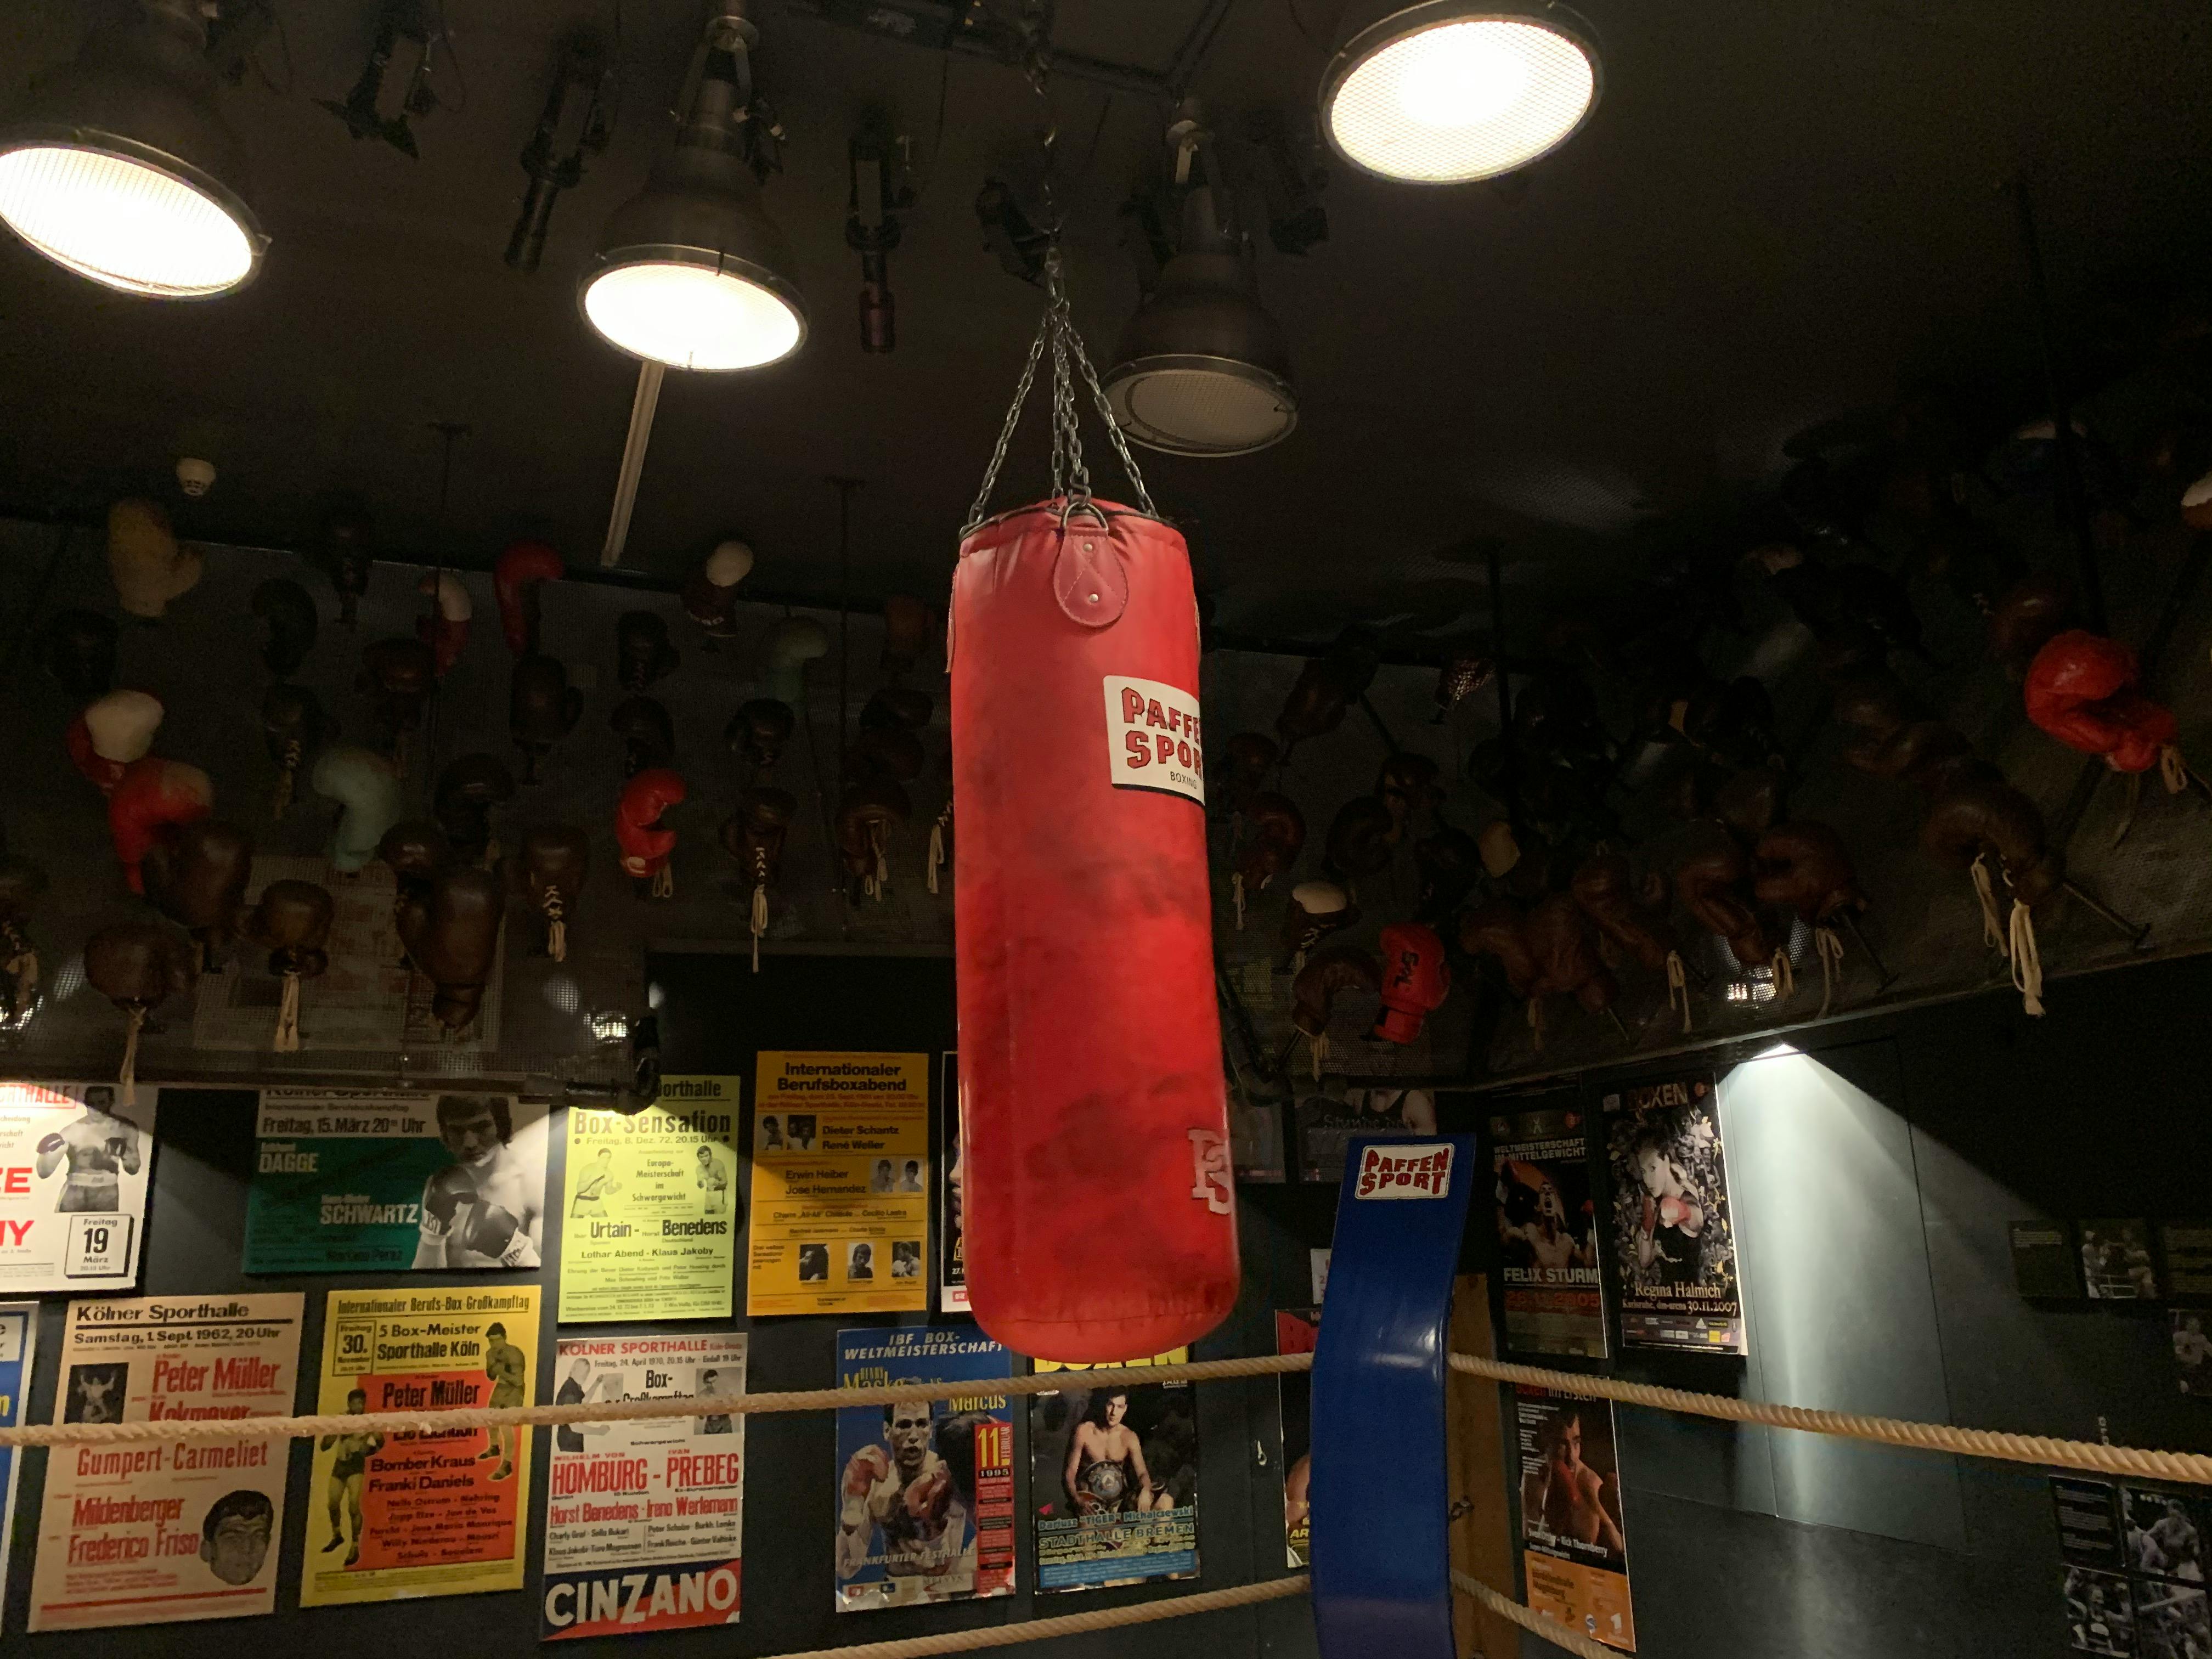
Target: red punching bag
{"x": 1099, "y": 1217}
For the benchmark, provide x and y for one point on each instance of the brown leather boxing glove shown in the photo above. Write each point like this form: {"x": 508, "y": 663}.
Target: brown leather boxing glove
{"x": 543, "y": 707}
{"x": 196, "y": 875}
{"x": 643, "y": 653}
{"x": 555, "y": 860}
{"x": 469, "y": 788}
{"x": 451, "y": 936}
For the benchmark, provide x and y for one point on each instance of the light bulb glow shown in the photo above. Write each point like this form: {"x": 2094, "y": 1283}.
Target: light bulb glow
{"x": 691, "y": 316}
{"x": 121, "y": 223}
{"x": 1462, "y": 99}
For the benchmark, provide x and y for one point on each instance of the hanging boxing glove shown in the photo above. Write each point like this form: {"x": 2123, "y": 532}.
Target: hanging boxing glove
{"x": 790, "y": 645}
{"x": 542, "y": 708}
{"x": 906, "y": 630}
{"x": 111, "y": 732}
{"x": 1246, "y": 760}
{"x": 1714, "y": 879}
{"x": 1278, "y": 836}
{"x": 1409, "y": 787}
{"x": 1804, "y": 866}
{"x": 940, "y": 844}
{"x": 293, "y": 728}
{"x": 1449, "y": 864}
{"x": 196, "y": 874}
{"x": 151, "y": 793}
{"x": 367, "y": 790}
{"x": 646, "y": 843}
{"x": 1358, "y": 840}
{"x": 2085, "y": 691}
{"x": 899, "y": 707}
{"x": 868, "y": 813}
{"x": 288, "y": 612}
{"x": 1317, "y": 702}
{"x": 397, "y": 674}
{"x": 648, "y": 734}
{"x": 1416, "y": 979}
{"x": 1986, "y": 828}
{"x": 348, "y": 554}
{"x": 77, "y": 647}
{"x": 452, "y": 937}
{"x": 1630, "y": 915}
{"x": 446, "y": 632}
{"x": 1565, "y": 946}
{"x": 758, "y": 733}
{"x": 416, "y": 853}
{"x": 137, "y": 966}
{"x": 21, "y": 883}
{"x": 556, "y": 861}
{"x": 1328, "y": 973}
{"x": 1500, "y": 929}
{"x": 1083, "y": 930}
{"x": 469, "y": 788}
{"x": 1316, "y": 909}
{"x": 643, "y": 653}
{"x": 710, "y": 596}
{"x": 149, "y": 567}
{"x": 516, "y": 576}
{"x": 886, "y": 751}
{"x": 292, "y": 922}
{"x": 754, "y": 835}
{"x": 2032, "y": 612}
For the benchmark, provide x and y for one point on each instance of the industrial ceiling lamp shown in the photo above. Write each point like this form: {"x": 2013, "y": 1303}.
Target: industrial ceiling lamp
{"x": 1201, "y": 369}
{"x": 1449, "y": 91}
{"x": 692, "y": 272}
{"x": 119, "y": 168}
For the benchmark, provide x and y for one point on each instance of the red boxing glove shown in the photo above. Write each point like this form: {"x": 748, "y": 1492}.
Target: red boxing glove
{"x": 2084, "y": 690}
{"x": 865, "y": 1469}
{"x": 515, "y": 578}
{"x": 1416, "y": 979}
{"x": 1671, "y": 1211}
{"x": 645, "y": 844}
{"x": 930, "y": 1496}
{"x": 153, "y": 793}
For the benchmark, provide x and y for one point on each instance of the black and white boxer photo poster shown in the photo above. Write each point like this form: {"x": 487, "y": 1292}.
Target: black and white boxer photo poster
{"x": 77, "y": 1160}
{"x": 1674, "y": 1241}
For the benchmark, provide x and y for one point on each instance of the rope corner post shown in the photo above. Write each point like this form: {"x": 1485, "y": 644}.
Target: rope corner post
{"x": 1382, "y": 1553}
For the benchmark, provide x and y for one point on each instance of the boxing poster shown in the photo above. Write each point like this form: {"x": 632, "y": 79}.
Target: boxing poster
{"x": 161, "y": 1531}
{"x": 841, "y": 1184}
{"x": 1114, "y": 1480}
{"x": 650, "y": 1207}
{"x": 645, "y": 1521}
{"x": 387, "y": 1183}
{"x": 1297, "y": 1330}
{"x": 18, "y": 1342}
{"x": 1324, "y": 1124}
{"x": 925, "y": 1487}
{"x": 2187, "y": 1248}
{"x": 1673, "y": 1239}
{"x": 1547, "y": 1229}
{"x": 2167, "y": 1535}
{"x": 952, "y": 1270}
{"x": 1574, "y": 1548}
{"x": 76, "y": 1163}
{"x": 2116, "y": 1264}
{"x": 393, "y": 1516}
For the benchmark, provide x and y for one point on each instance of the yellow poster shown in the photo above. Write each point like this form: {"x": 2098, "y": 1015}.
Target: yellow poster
{"x": 650, "y": 1207}
{"x": 393, "y": 1516}
{"x": 841, "y": 1183}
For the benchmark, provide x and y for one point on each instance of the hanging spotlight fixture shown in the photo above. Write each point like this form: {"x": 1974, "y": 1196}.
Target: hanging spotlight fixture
{"x": 691, "y": 271}
{"x": 119, "y": 168}
{"x": 1202, "y": 369}
{"x": 1450, "y": 91}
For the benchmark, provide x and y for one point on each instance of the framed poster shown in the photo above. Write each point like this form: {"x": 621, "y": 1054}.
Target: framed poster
{"x": 645, "y": 1521}
{"x": 1673, "y": 1239}
{"x": 1547, "y": 1232}
{"x": 75, "y": 1165}
{"x": 162, "y": 1531}
{"x": 1114, "y": 1480}
{"x": 649, "y": 1207}
{"x": 841, "y": 1183}
{"x": 1574, "y": 1542}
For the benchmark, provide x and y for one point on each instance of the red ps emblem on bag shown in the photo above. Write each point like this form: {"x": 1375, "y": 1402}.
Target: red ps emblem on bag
{"x": 1209, "y": 1169}
{"x": 1421, "y": 1171}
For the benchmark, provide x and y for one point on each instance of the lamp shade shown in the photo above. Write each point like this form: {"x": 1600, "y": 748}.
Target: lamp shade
{"x": 1449, "y": 91}
{"x": 692, "y": 272}
{"x": 1201, "y": 368}
{"x": 119, "y": 168}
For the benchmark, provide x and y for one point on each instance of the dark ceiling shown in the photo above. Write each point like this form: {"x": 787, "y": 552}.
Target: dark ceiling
{"x": 1780, "y": 209}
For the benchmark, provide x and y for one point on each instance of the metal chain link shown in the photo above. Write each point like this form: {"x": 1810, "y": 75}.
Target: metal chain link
{"x": 1071, "y": 474}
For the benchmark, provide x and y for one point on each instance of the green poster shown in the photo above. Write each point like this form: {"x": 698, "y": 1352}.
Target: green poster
{"x": 649, "y": 1215}
{"x": 348, "y": 1182}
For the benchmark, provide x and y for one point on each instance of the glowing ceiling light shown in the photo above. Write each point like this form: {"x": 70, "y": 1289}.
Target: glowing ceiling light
{"x": 119, "y": 168}
{"x": 692, "y": 272}
{"x": 1447, "y": 92}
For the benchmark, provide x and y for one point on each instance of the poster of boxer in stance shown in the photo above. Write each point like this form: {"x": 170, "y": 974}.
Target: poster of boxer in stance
{"x": 1674, "y": 1241}
{"x": 1547, "y": 1229}
{"x": 925, "y": 1487}
{"x": 359, "y": 1182}
{"x": 1114, "y": 1480}
{"x": 1574, "y": 1544}
{"x": 73, "y": 1208}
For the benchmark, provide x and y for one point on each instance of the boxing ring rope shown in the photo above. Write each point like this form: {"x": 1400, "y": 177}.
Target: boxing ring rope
{"x": 1550, "y": 1629}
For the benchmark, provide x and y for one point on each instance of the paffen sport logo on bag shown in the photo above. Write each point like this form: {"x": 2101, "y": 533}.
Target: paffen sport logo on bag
{"x": 1210, "y": 1174}
{"x": 1151, "y": 737}
{"x": 1418, "y": 1172}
